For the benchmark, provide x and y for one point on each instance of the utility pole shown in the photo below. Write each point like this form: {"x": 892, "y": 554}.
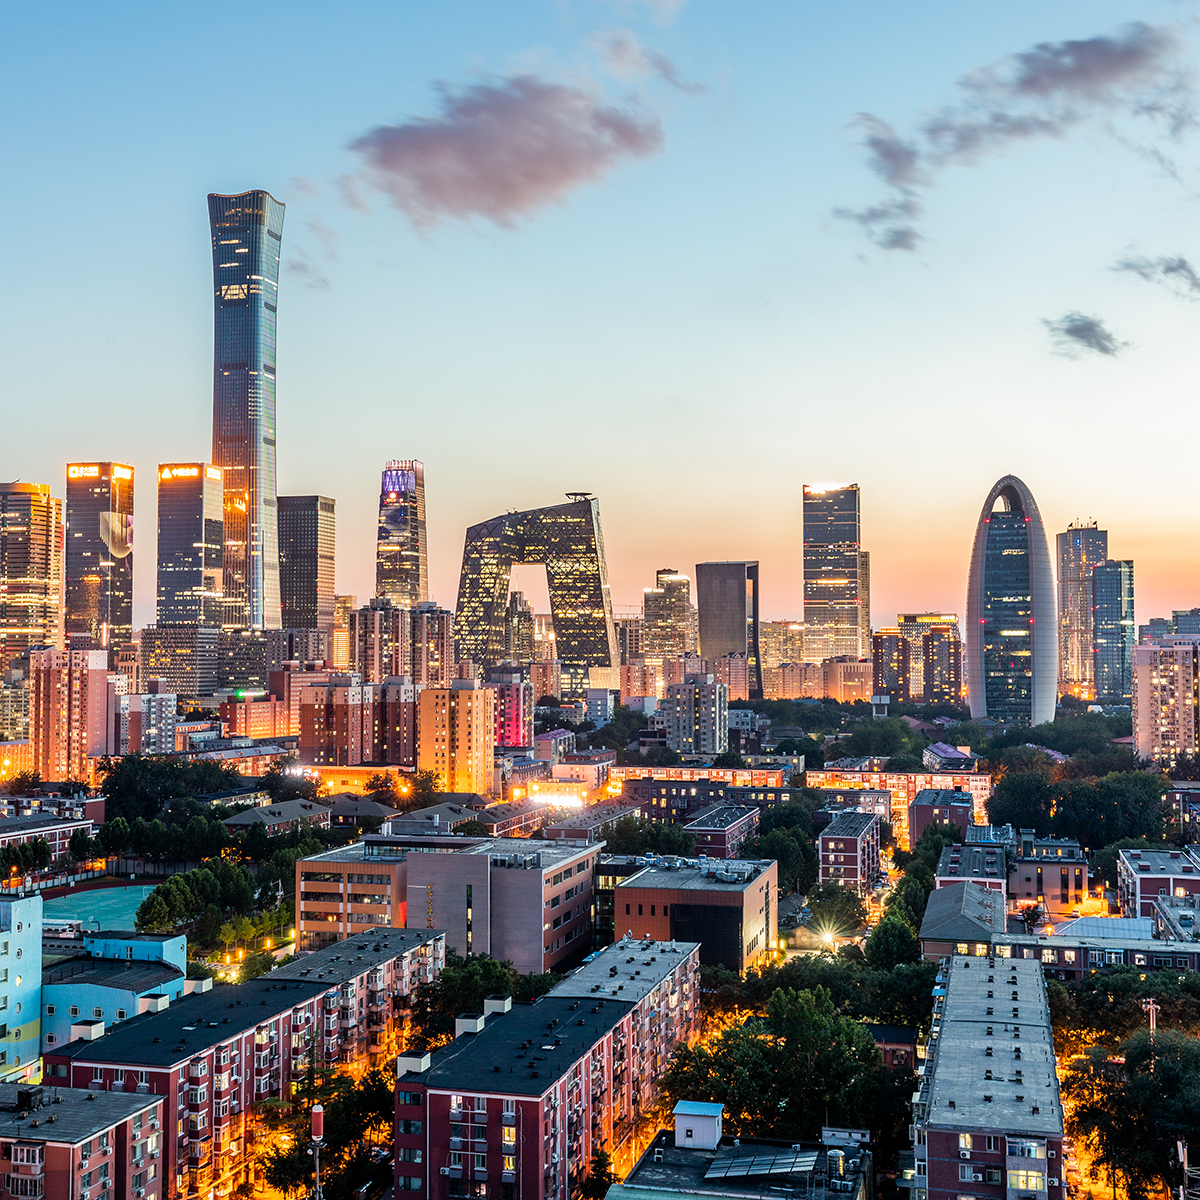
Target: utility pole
{"x": 318, "y": 1131}
{"x": 1149, "y": 1006}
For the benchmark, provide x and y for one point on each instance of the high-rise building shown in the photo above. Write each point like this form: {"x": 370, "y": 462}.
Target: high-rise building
{"x": 338, "y": 722}
{"x": 667, "y": 616}
{"x": 781, "y": 642}
{"x": 837, "y": 589}
{"x": 99, "y": 553}
{"x": 247, "y": 230}
{"x": 941, "y": 665}
{"x": 1114, "y": 630}
{"x": 182, "y": 653}
{"x": 514, "y": 706}
{"x": 914, "y": 626}
{"x": 431, "y": 636}
{"x": 733, "y": 670}
{"x": 695, "y": 715}
{"x": 568, "y": 539}
{"x": 307, "y": 536}
{"x": 380, "y": 643}
{"x": 243, "y": 660}
{"x": 401, "y": 557}
{"x": 1012, "y": 642}
{"x": 31, "y": 570}
{"x": 518, "y": 630}
{"x": 1166, "y": 708}
{"x": 1080, "y": 548}
{"x": 891, "y": 654}
{"x": 727, "y": 597}
{"x": 68, "y": 709}
{"x": 456, "y": 732}
{"x": 191, "y": 543}
{"x": 631, "y": 637}
{"x": 339, "y": 642}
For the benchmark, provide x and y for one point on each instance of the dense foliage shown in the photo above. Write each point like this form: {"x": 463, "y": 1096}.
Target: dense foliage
{"x": 632, "y": 835}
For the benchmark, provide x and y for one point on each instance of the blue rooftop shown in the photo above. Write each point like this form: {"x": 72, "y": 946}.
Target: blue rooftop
{"x": 694, "y": 1108}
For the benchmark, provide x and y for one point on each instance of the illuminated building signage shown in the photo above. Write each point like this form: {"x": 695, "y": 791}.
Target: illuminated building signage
{"x": 396, "y": 481}
{"x": 180, "y": 472}
{"x": 213, "y": 473}
{"x": 122, "y": 472}
{"x": 81, "y": 472}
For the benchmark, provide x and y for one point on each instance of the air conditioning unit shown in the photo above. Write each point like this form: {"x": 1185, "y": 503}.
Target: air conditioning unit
{"x": 1051, "y": 1154}
{"x": 445, "y": 1170}
{"x": 964, "y": 1154}
{"x": 976, "y": 1178}
{"x": 1052, "y": 1181}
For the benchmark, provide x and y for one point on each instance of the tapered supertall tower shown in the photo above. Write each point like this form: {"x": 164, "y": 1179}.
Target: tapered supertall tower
{"x": 246, "y": 235}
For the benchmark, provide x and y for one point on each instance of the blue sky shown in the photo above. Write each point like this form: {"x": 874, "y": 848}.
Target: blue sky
{"x": 689, "y": 332}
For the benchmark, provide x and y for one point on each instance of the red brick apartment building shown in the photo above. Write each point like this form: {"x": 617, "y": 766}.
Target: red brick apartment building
{"x": 849, "y": 851}
{"x": 209, "y": 1058}
{"x": 1144, "y": 875}
{"x": 720, "y": 831}
{"x": 518, "y": 1102}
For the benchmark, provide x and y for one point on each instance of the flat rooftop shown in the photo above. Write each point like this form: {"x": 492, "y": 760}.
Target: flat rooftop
{"x": 1159, "y": 862}
{"x": 686, "y": 875}
{"x": 943, "y": 796}
{"x": 1138, "y": 928}
{"x": 722, "y": 816}
{"x": 123, "y": 974}
{"x": 640, "y": 966}
{"x": 849, "y": 825}
{"x": 527, "y": 1049}
{"x": 70, "y": 1115}
{"x": 596, "y": 815}
{"x": 345, "y": 959}
{"x": 995, "y": 1021}
{"x": 973, "y": 861}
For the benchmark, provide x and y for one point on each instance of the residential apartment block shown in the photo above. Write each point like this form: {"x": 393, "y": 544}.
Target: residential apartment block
{"x": 849, "y": 851}
{"x": 1145, "y": 875}
{"x": 720, "y": 831}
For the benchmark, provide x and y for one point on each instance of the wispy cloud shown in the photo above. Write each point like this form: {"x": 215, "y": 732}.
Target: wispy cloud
{"x": 625, "y": 57}
{"x": 1175, "y": 273}
{"x": 661, "y": 11}
{"x": 1074, "y": 332}
{"x": 310, "y": 275}
{"x": 504, "y": 149}
{"x": 1044, "y": 92}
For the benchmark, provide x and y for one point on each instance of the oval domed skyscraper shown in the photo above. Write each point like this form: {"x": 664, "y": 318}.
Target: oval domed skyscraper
{"x": 1012, "y": 628}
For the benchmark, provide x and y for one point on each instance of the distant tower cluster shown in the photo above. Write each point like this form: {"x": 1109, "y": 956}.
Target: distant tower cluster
{"x": 1080, "y": 548}
{"x": 837, "y": 574}
{"x": 401, "y": 554}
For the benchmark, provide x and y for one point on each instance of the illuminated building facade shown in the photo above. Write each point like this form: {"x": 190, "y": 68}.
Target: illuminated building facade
{"x": 1012, "y": 630}
{"x": 695, "y": 715}
{"x": 837, "y": 592}
{"x": 941, "y": 665}
{"x": 99, "y": 552}
{"x": 182, "y": 653}
{"x": 379, "y": 640}
{"x": 1114, "y": 630}
{"x": 1080, "y": 548}
{"x": 727, "y": 597}
{"x": 401, "y": 556}
{"x": 514, "y": 706}
{"x": 339, "y": 640}
{"x": 668, "y": 627}
{"x": 246, "y": 233}
{"x": 307, "y": 536}
{"x": 191, "y": 543}
{"x": 781, "y": 642}
{"x": 68, "y": 707}
{"x": 456, "y": 735}
{"x": 891, "y": 653}
{"x": 914, "y": 626}
{"x": 567, "y": 538}
{"x": 31, "y": 570}
{"x": 518, "y": 630}
{"x": 1166, "y": 707}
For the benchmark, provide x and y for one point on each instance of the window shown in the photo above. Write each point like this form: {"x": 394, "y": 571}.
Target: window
{"x": 74, "y": 1010}
{"x": 118, "y": 1076}
{"x": 456, "y": 1159}
{"x": 964, "y": 1141}
{"x": 509, "y": 1106}
{"x": 97, "y": 1074}
{"x": 960, "y": 948}
{"x": 627, "y": 910}
{"x": 120, "y": 1014}
{"x": 479, "y": 1161}
{"x": 510, "y": 1162}
{"x": 97, "y": 1013}
{"x": 50, "y": 1039}
{"x": 991, "y": 1143}
{"x": 1025, "y": 1148}
{"x": 50, "y": 1010}
{"x": 992, "y": 1175}
{"x": 639, "y": 910}
{"x": 1049, "y": 956}
{"x": 510, "y": 1135}
{"x": 965, "y": 1171}
{"x": 1027, "y": 1181}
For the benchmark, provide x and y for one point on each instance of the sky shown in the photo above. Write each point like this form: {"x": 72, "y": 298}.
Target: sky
{"x": 683, "y": 254}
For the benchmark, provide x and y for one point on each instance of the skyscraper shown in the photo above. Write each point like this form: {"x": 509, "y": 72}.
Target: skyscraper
{"x": 401, "y": 557}
{"x": 99, "y": 553}
{"x": 246, "y": 233}
{"x": 1080, "y": 548}
{"x": 940, "y": 652}
{"x": 781, "y": 642}
{"x": 1114, "y": 630}
{"x": 837, "y": 589}
{"x": 191, "y": 543}
{"x": 1012, "y": 643}
{"x": 307, "y": 536}
{"x": 727, "y": 597}
{"x": 891, "y": 655}
{"x": 914, "y": 626}
{"x": 518, "y": 630}
{"x": 667, "y": 616}
{"x": 31, "y": 570}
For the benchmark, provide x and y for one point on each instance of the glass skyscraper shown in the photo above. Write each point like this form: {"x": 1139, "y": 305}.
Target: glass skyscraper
{"x": 1012, "y": 643}
{"x": 246, "y": 233}
{"x": 191, "y": 542}
{"x": 727, "y": 597}
{"x": 99, "y": 553}
{"x": 31, "y": 570}
{"x": 307, "y": 539}
{"x": 401, "y": 558}
{"x": 837, "y": 592}
{"x": 1115, "y": 631}
{"x": 1080, "y": 548}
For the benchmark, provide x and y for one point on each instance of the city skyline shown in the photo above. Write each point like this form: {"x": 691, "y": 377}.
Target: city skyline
{"x": 454, "y": 317}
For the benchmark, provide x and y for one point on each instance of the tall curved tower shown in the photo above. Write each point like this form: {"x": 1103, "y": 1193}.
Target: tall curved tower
{"x": 1012, "y": 627}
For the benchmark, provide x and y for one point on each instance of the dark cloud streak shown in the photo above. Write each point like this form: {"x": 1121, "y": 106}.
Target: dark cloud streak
{"x": 1076, "y": 331}
{"x": 1175, "y": 273}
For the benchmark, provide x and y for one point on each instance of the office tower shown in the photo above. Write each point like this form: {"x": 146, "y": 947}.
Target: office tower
{"x": 31, "y": 570}
{"x": 380, "y": 644}
{"x": 891, "y": 654}
{"x": 1114, "y": 630}
{"x": 431, "y": 637}
{"x": 296, "y": 646}
{"x": 631, "y": 640}
{"x": 129, "y": 665}
{"x": 243, "y": 661}
{"x": 306, "y": 550}
{"x": 546, "y": 678}
{"x": 837, "y": 591}
{"x": 1080, "y": 548}
{"x": 14, "y": 703}
{"x": 401, "y": 556}
{"x": 68, "y": 706}
{"x": 99, "y": 553}
{"x": 339, "y": 642}
{"x": 456, "y": 732}
{"x": 914, "y": 626}
{"x": 518, "y": 630}
{"x": 544, "y": 648}
{"x": 514, "y": 706}
{"x": 567, "y": 538}
{"x": 941, "y": 665}
{"x": 246, "y": 233}
{"x": 695, "y": 713}
{"x": 184, "y": 654}
{"x": 727, "y": 597}
{"x": 780, "y": 642}
{"x": 191, "y": 543}
{"x": 1012, "y": 642}
{"x": 667, "y": 615}
{"x": 1166, "y": 708}
{"x": 1186, "y": 622}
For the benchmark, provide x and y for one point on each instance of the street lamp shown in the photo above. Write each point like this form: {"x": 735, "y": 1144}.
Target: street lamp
{"x": 318, "y": 1131}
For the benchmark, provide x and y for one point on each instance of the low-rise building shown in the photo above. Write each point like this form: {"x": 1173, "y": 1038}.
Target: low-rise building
{"x": 1144, "y": 875}
{"x": 590, "y": 769}
{"x": 849, "y": 851}
{"x": 284, "y": 817}
{"x": 963, "y": 918}
{"x": 938, "y": 806}
{"x": 1049, "y": 872}
{"x": 587, "y": 824}
{"x": 939, "y": 756}
{"x": 995, "y": 1130}
{"x": 348, "y": 811}
{"x": 342, "y": 892}
{"x": 897, "y": 1045}
{"x": 727, "y": 906}
{"x": 721, "y": 830}
{"x": 985, "y": 864}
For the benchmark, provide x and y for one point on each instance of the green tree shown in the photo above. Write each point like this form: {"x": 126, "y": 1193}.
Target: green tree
{"x": 600, "y": 1177}
{"x": 729, "y": 760}
{"x": 1104, "y": 862}
{"x": 836, "y": 910}
{"x": 425, "y": 790}
{"x": 81, "y": 847}
{"x": 114, "y": 835}
{"x": 23, "y": 783}
{"x": 1022, "y": 799}
{"x": 891, "y": 943}
{"x": 461, "y": 987}
{"x": 152, "y": 915}
{"x": 798, "y": 864}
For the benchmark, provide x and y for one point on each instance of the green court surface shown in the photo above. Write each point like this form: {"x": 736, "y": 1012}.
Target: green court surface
{"x": 114, "y": 907}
